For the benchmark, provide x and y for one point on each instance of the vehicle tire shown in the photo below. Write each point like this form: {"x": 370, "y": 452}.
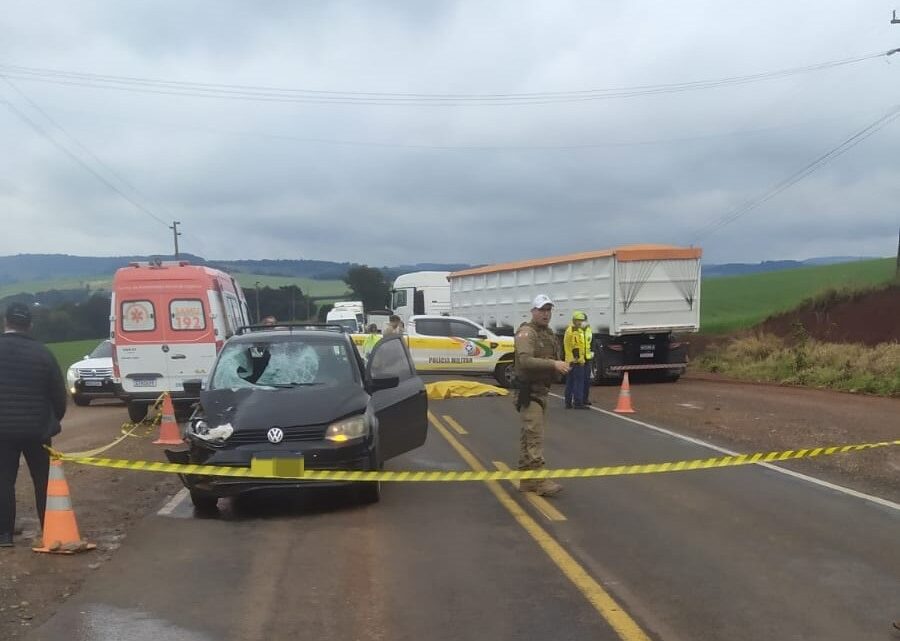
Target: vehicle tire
{"x": 505, "y": 373}
{"x": 137, "y": 412}
{"x": 368, "y": 492}
{"x": 204, "y": 502}
{"x": 81, "y": 401}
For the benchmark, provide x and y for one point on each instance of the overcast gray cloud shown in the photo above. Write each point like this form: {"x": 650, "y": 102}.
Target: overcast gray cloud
{"x": 385, "y": 184}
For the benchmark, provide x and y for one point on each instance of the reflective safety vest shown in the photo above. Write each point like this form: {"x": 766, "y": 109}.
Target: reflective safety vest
{"x": 588, "y": 340}
{"x": 370, "y": 343}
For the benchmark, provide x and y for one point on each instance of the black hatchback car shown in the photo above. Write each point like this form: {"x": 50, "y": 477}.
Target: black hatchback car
{"x": 305, "y": 393}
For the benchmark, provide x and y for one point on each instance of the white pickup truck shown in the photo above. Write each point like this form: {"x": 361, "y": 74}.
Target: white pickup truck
{"x": 442, "y": 344}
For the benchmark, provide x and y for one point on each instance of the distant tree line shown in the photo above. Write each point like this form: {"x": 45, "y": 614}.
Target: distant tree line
{"x": 78, "y": 314}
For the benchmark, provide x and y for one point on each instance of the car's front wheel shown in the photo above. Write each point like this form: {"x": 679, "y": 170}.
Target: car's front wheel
{"x": 368, "y": 492}
{"x": 204, "y": 502}
{"x": 81, "y": 401}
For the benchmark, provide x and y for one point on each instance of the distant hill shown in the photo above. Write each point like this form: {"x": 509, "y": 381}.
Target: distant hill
{"x": 47, "y": 267}
{"x": 737, "y": 269}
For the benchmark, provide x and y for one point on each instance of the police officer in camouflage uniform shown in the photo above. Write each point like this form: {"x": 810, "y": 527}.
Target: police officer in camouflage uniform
{"x": 537, "y": 367}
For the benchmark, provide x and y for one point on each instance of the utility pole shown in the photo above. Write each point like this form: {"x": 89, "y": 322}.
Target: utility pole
{"x": 175, "y": 235}
{"x": 897, "y": 268}
{"x": 257, "y": 302}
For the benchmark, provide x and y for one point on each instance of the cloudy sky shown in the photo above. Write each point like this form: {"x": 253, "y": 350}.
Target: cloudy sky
{"x": 427, "y": 149}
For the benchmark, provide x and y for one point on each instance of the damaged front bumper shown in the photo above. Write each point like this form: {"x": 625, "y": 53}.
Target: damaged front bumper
{"x": 322, "y": 455}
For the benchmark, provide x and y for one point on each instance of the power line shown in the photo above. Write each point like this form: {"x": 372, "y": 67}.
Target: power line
{"x": 46, "y": 134}
{"x": 261, "y": 93}
{"x": 796, "y": 177}
{"x": 79, "y": 144}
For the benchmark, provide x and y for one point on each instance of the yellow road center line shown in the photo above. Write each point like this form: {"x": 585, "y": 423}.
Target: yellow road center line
{"x": 541, "y": 504}
{"x": 456, "y": 426}
{"x": 626, "y": 627}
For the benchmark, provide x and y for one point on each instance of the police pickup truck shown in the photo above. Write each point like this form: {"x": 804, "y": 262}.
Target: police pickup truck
{"x": 452, "y": 344}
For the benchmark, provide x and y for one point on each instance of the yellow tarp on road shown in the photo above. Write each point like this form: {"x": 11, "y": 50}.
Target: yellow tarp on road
{"x": 462, "y": 389}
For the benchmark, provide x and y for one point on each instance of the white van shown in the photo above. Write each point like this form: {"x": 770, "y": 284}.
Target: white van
{"x": 168, "y": 322}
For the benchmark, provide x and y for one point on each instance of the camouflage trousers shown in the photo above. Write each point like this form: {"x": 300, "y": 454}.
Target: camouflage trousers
{"x": 531, "y": 442}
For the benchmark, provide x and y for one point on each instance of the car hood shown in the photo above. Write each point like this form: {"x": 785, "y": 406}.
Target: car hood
{"x": 255, "y": 408}
{"x": 94, "y": 363}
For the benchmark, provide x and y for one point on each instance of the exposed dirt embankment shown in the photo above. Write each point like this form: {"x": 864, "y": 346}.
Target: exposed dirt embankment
{"x": 870, "y": 317}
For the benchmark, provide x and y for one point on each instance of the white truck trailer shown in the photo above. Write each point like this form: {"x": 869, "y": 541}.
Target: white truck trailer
{"x": 637, "y": 299}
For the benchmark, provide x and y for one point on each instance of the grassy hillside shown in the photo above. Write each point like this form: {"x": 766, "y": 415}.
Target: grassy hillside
{"x": 72, "y": 351}
{"x": 335, "y": 288}
{"x": 737, "y": 302}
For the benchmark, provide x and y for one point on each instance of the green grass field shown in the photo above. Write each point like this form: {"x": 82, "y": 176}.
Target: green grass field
{"x": 738, "y": 302}
{"x": 72, "y": 351}
{"x": 309, "y": 286}
{"x": 336, "y": 288}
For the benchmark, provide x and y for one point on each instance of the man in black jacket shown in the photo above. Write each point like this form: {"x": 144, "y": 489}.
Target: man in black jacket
{"x": 32, "y": 403}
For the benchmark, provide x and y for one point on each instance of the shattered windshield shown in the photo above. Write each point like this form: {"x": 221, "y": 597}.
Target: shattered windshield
{"x": 295, "y": 362}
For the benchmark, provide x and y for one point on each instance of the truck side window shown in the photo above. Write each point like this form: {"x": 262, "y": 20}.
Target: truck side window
{"x": 399, "y": 298}
{"x": 138, "y": 316}
{"x": 432, "y": 327}
{"x": 461, "y": 329}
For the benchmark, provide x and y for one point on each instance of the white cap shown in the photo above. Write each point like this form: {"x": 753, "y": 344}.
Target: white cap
{"x": 540, "y": 300}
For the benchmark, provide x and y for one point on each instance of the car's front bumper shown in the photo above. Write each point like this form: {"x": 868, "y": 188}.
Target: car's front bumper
{"x": 319, "y": 455}
{"x": 93, "y": 388}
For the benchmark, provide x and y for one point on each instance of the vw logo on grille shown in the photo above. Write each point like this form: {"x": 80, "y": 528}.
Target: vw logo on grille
{"x": 93, "y": 372}
{"x": 275, "y": 435}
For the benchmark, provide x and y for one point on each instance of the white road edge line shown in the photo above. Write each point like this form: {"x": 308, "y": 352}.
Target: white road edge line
{"x": 173, "y": 503}
{"x": 809, "y": 479}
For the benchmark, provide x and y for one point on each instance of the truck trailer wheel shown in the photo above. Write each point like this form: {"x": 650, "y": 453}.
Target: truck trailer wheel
{"x": 505, "y": 373}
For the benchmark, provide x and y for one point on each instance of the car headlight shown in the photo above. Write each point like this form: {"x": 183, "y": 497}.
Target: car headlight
{"x": 347, "y": 429}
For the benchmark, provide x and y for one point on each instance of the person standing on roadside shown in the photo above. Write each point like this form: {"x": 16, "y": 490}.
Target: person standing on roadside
{"x": 32, "y": 404}
{"x": 394, "y": 326}
{"x": 371, "y": 340}
{"x": 537, "y": 367}
{"x": 588, "y": 358}
{"x": 573, "y": 346}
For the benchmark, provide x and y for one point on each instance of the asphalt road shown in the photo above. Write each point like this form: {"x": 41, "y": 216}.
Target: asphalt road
{"x": 737, "y": 554}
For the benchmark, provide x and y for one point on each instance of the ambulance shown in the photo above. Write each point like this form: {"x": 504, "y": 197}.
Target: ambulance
{"x": 455, "y": 345}
{"x": 168, "y": 321}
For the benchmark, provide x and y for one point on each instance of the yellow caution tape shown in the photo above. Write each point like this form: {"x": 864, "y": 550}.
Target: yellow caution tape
{"x": 296, "y": 472}
{"x": 128, "y": 429}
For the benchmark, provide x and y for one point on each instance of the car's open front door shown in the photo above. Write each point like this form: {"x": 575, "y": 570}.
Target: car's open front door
{"x": 401, "y": 409}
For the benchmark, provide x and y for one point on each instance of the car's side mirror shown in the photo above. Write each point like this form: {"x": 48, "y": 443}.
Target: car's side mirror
{"x": 193, "y": 386}
{"x": 482, "y": 333}
{"x": 384, "y": 382}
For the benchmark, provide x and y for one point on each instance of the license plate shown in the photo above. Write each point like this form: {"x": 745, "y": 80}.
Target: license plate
{"x": 145, "y": 382}
{"x": 278, "y": 467}
{"x": 646, "y": 354}
{"x": 93, "y": 383}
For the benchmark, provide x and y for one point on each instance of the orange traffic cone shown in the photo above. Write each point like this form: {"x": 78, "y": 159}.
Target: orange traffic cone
{"x": 169, "y": 432}
{"x": 624, "y": 404}
{"x": 60, "y": 529}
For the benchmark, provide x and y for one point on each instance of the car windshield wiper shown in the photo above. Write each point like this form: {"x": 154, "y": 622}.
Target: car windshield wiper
{"x": 289, "y": 385}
